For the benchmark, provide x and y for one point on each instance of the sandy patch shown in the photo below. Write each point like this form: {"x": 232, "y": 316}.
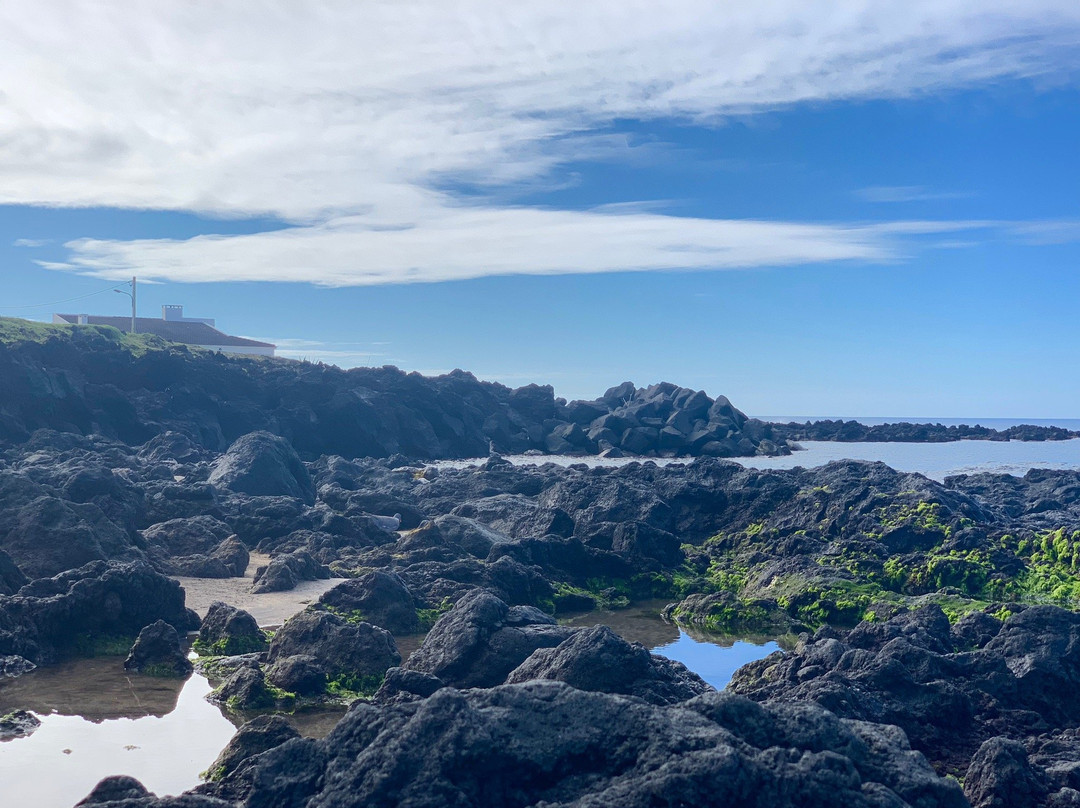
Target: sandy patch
{"x": 269, "y": 609}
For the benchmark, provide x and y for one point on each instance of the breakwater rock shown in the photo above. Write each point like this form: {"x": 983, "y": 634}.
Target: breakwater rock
{"x": 906, "y": 432}
{"x": 95, "y": 380}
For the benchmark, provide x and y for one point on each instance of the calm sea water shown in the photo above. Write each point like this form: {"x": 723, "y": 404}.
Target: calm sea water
{"x": 935, "y": 460}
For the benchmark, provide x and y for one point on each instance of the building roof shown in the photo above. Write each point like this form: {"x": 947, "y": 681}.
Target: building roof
{"x": 189, "y": 333}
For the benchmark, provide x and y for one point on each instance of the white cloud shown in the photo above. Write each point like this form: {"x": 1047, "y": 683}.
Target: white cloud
{"x": 344, "y": 118}
{"x": 345, "y": 354}
{"x": 1060, "y": 231}
{"x": 31, "y": 242}
{"x": 447, "y": 244}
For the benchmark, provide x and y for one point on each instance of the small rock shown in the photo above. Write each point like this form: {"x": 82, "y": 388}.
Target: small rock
{"x": 226, "y": 631}
{"x": 253, "y": 738}
{"x": 157, "y": 652}
{"x": 18, "y": 724}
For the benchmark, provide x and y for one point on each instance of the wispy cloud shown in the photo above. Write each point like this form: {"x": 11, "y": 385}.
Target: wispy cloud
{"x": 463, "y": 243}
{"x": 1058, "y": 231}
{"x": 351, "y": 120}
{"x": 31, "y": 242}
{"x": 907, "y": 193}
{"x": 345, "y": 354}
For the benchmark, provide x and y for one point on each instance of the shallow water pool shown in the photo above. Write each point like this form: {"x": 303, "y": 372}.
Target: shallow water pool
{"x": 98, "y": 720}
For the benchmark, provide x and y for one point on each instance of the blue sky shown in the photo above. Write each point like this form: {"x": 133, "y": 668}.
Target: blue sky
{"x": 871, "y": 211}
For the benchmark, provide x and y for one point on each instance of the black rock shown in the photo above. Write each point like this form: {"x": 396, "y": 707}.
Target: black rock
{"x": 233, "y": 553}
{"x": 18, "y": 724}
{"x": 406, "y": 685}
{"x": 157, "y": 651}
{"x": 354, "y": 655}
{"x": 253, "y": 738}
{"x": 285, "y": 571}
{"x": 1000, "y": 776}
{"x": 244, "y": 689}
{"x": 379, "y": 598}
{"x": 600, "y": 660}
{"x": 114, "y": 789}
{"x": 548, "y": 743}
{"x": 77, "y": 534}
{"x": 481, "y": 640}
{"x": 228, "y": 631}
{"x": 197, "y": 535}
{"x": 302, "y": 674}
{"x": 13, "y": 665}
{"x": 263, "y": 464}
{"x": 54, "y": 617}
{"x": 913, "y": 671}
{"x": 11, "y": 577}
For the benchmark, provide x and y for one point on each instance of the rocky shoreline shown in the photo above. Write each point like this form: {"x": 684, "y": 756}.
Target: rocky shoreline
{"x": 936, "y": 652}
{"x": 132, "y": 388}
{"x": 870, "y": 564}
{"x": 904, "y": 432}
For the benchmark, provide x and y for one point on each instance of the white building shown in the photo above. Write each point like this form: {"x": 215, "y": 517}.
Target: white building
{"x": 175, "y": 327}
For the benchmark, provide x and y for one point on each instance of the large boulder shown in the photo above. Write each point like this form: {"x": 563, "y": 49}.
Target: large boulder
{"x": 66, "y": 614}
{"x": 598, "y": 659}
{"x": 188, "y": 536}
{"x": 48, "y": 536}
{"x": 263, "y": 464}
{"x": 472, "y": 536}
{"x": 302, "y": 674}
{"x": 157, "y": 652}
{"x": 548, "y": 743}
{"x": 1000, "y": 776}
{"x": 285, "y": 571}
{"x": 354, "y": 656}
{"x": 481, "y": 640}
{"x": 380, "y": 598}
{"x": 245, "y": 689}
{"x": 234, "y": 555}
{"x": 228, "y": 631}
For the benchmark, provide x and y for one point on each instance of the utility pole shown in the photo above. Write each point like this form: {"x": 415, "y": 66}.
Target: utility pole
{"x": 130, "y": 294}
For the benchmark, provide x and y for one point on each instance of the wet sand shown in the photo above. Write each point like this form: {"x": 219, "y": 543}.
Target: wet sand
{"x": 269, "y": 609}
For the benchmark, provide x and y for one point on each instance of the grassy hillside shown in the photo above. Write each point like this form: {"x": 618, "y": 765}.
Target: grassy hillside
{"x": 15, "y": 331}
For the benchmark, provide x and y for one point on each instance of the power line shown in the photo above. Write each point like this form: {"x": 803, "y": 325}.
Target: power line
{"x": 66, "y": 300}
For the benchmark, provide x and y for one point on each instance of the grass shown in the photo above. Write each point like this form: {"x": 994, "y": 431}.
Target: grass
{"x": 353, "y": 686}
{"x": 230, "y": 646}
{"x": 429, "y": 617}
{"x": 96, "y": 645}
{"x": 162, "y": 672}
{"x": 15, "y": 331}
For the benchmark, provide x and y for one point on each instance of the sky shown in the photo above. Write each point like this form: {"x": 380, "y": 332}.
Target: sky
{"x": 814, "y": 208}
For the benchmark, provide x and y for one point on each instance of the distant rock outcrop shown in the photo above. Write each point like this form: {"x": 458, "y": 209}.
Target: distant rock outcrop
{"x": 181, "y": 402}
